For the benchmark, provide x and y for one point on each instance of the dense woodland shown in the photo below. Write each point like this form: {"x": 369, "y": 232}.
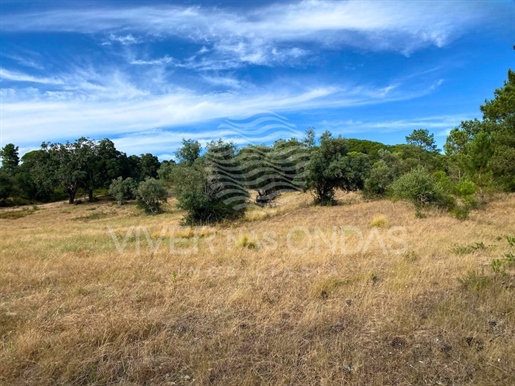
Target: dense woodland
{"x": 213, "y": 183}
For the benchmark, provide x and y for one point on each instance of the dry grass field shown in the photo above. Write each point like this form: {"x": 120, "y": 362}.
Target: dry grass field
{"x": 363, "y": 293}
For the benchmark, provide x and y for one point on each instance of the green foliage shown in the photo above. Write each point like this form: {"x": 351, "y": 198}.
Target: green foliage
{"x": 6, "y": 185}
{"x": 189, "y": 152}
{"x": 370, "y": 148}
{"x": 499, "y": 266}
{"x": 149, "y": 165}
{"x": 152, "y": 194}
{"x": 419, "y": 188}
{"x": 10, "y": 158}
{"x": 423, "y": 139}
{"x": 483, "y": 151}
{"x": 443, "y": 181}
{"x": 465, "y": 188}
{"x": 467, "y": 249}
{"x": 382, "y": 174}
{"x": 247, "y": 242}
{"x": 211, "y": 189}
{"x": 331, "y": 167}
{"x": 123, "y": 189}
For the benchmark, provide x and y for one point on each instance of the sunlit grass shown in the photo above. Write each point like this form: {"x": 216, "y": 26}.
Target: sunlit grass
{"x": 182, "y": 305}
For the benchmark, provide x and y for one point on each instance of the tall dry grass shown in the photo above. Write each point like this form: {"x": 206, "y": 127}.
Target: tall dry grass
{"x": 205, "y": 309}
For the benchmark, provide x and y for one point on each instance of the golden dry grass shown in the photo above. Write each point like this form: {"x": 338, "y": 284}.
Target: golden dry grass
{"x": 306, "y": 306}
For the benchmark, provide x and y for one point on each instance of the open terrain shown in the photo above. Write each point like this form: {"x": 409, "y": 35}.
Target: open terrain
{"x": 363, "y": 293}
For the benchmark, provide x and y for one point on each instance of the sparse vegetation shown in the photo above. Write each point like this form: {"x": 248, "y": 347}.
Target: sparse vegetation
{"x": 466, "y": 249}
{"x": 247, "y": 242}
{"x": 380, "y": 221}
{"x": 15, "y": 214}
{"x": 199, "y": 307}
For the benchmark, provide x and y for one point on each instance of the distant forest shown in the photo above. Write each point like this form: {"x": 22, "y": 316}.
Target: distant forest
{"x": 213, "y": 183}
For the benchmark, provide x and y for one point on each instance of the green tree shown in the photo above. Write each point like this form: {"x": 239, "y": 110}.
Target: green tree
{"x": 123, "y": 189}
{"x": 212, "y": 188}
{"x": 331, "y": 167}
{"x": 500, "y": 112}
{"x": 130, "y": 166}
{"x": 6, "y": 185}
{"x": 10, "y": 158}
{"x": 483, "y": 150}
{"x": 149, "y": 165}
{"x": 189, "y": 152}
{"x": 423, "y": 139}
{"x": 152, "y": 194}
{"x": 107, "y": 164}
{"x": 66, "y": 165}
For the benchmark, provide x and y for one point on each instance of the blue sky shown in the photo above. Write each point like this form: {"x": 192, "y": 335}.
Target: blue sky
{"x": 147, "y": 74}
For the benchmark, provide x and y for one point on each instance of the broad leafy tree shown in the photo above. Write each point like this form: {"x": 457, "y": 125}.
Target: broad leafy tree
{"x": 331, "y": 168}
{"x": 189, "y": 152}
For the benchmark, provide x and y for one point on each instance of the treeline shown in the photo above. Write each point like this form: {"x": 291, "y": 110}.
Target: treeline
{"x": 213, "y": 183}
{"x": 58, "y": 171}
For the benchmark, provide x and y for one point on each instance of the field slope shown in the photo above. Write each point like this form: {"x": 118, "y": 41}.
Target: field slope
{"x": 363, "y": 293}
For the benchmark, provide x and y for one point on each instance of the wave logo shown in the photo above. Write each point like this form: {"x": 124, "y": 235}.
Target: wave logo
{"x": 268, "y": 170}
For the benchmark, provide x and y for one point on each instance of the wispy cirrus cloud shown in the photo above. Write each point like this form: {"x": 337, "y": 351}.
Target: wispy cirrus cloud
{"x": 106, "y": 110}
{"x": 145, "y": 72}
{"x": 159, "y": 61}
{"x": 372, "y": 25}
{"x": 16, "y": 76}
{"x": 126, "y": 40}
{"x": 441, "y": 124}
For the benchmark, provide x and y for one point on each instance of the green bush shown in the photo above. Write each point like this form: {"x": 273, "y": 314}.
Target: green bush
{"x": 210, "y": 188}
{"x": 123, "y": 189}
{"x": 376, "y": 185}
{"x": 383, "y": 174}
{"x": 465, "y": 188}
{"x": 443, "y": 181}
{"x": 419, "y": 188}
{"x": 152, "y": 194}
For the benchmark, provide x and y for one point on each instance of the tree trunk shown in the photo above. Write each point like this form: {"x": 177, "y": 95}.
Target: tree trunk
{"x": 90, "y": 194}
{"x": 71, "y": 194}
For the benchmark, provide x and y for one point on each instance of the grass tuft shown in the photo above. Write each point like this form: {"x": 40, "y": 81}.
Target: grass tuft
{"x": 380, "y": 221}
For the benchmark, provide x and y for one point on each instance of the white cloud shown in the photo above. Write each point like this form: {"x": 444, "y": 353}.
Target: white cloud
{"x": 440, "y": 124}
{"x": 126, "y": 40}
{"x": 402, "y": 26}
{"x": 101, "y": 113}
{"x": 15, "y": 76}
{"x": 24, "y": 61}
{"x": 160, "y": 61}
{"x": 226, "y": 81}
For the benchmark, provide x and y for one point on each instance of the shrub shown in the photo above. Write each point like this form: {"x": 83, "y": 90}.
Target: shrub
{"x": 380, "y": 222}
{"x": 383, "y": 174}
{"x": 123, "y": 190}
{"x": 465, "y": 188}
{"x": 377, "y": 183}
{"x": 419, "y": 188}
{"x": 211, "y": 189}
{"x": 443, "y": 181}
{"x": 152, "y": 194}
{"x": 247, "y": 242}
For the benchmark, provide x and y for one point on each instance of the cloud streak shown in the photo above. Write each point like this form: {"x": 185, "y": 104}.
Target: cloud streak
{"x": 374, "y": 25}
